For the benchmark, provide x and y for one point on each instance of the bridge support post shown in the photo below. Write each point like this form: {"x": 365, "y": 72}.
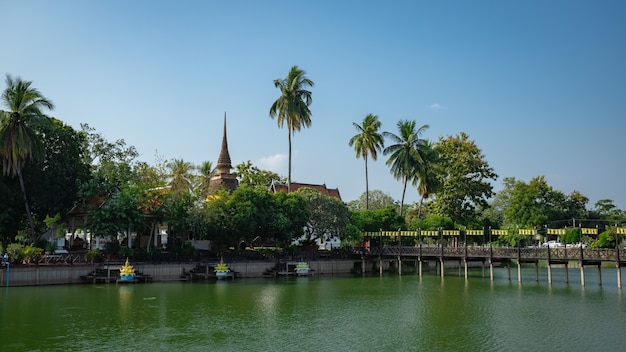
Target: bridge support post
{"x": 537, "y": 271}
{"x": 441, "y": 266}
{"x": 491, "y": 270}
{"x": 549, "y": 273}
{"x": 419, "y": 266}
{"x": 519, "y": 271}
{"x": 566, "y": 273}
{"x": 582, "y": 274}
{"x": 399, "y": 265}
{"x": 619, "y": 275}
{"x": 600, "y": 274}
{"x": 483, "y": 267}
{"x": 465, "y": 262}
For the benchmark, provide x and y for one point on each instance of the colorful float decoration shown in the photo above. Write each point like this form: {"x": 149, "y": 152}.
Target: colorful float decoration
{"x": 127, "y": 272}
{"x": 222, "y": 270}
{"x": 302, "y": 269}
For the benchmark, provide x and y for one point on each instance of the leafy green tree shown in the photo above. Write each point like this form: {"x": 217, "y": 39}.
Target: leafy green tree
{"x": 465, "y": 176}
{"x": 292, "y": 106}
{"x": 251, "y": 176}
{"x": 405, "y": 156}
{"x": 291, "y": 218}
{"x": 367, "y": 142}
{"x": 19, "y": 141}
{"x": 377, "y": 200}
{"x": 536, "y": 203}
{"x": 328, "y": 216}
{"x": 386, "y": 218}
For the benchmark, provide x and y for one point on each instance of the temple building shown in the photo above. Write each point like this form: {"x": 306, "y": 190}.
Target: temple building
{"x": 223, "y": 178}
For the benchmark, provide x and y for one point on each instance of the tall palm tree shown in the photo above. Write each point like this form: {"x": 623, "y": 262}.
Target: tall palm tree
{"x": 292, "y": 106}
{"x": 427, "y": 179}
{"x": 180, "y": 176}
{"x": 206, "y": 171}
{"x": 405, "y": 157}
{"x": 367, "y": 142}
{"x": 19, "y": 142}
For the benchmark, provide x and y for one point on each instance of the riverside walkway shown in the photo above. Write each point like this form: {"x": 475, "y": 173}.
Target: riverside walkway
{"x": 503, "y": 255}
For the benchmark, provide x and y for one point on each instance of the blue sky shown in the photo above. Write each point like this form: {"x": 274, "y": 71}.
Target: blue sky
{"x": 538, "y": 85}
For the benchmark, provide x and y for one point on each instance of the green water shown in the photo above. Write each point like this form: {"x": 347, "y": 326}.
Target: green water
{"x": 389, "y": 313}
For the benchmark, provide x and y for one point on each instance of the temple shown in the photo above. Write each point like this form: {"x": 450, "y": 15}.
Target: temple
{"x": 223, "y": 179}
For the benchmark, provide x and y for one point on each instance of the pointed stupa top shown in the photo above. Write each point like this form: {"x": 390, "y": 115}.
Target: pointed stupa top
{"x": 222, "y": 178}
{"x": 223, "y": 160}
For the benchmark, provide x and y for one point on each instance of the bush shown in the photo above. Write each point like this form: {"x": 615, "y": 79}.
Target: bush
{"x": 93, "y": 255}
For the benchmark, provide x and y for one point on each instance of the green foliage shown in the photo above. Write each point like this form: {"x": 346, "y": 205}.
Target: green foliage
{"x": 606, "y": 239}
{"x": 513, "y": 239}
{"x": 385, "y": 218}
{"x": 328, "y": 216}
{"x": 572, "y": 235}
{"x": 112, "y": 247}
{"x": 535, "y": 203}
{"x": 377, "y": 200}
{"x": 433, "y": 222}
{"x": 16, "y": 252}
{"x": 93, "y": 255}
{"x": 251, "y": 176}
{"x": 465, "y": 176}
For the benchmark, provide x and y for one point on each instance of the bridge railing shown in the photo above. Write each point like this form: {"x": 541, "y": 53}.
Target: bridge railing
{"x": 522, "y": 253}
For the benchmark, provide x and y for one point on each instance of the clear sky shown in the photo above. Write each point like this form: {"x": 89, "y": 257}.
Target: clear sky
{"x": 540, "y": 86}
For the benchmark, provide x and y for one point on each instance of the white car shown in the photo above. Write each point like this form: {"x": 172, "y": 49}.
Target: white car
{"x": 552, "y": 244}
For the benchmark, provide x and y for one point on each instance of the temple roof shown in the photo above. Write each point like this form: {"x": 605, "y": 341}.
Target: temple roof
{"x": 333, "y": 192}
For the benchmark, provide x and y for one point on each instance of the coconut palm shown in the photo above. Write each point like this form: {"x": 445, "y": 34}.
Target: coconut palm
{"x": 206, "y": 170}
{"x": 180, "y": 176}
{"x": 19, "y": 142}
{"x": 292, "y": 106}
{"x": 367, "y": 143}
{"x": 405, "y": 156}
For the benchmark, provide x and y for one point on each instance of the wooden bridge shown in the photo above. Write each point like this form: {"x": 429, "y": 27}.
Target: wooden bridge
{"x": 503, "y": 255}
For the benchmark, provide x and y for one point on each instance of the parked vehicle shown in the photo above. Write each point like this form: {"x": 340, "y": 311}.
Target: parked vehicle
{"x": 552, "y": 244}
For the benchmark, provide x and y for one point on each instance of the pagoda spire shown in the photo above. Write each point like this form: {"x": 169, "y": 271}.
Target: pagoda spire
{"x": 223, "y": 178}
{"x": 223, "y": 161}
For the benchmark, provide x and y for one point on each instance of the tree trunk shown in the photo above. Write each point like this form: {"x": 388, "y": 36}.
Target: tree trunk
{"x": 33, "y": 236}
{"x": 289, "y": 172}
{"x": 406, "y": 179}
{"x": 367, "y": 191}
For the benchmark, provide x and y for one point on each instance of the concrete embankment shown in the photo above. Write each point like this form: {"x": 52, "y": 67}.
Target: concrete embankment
{"x": 60, "y": 274}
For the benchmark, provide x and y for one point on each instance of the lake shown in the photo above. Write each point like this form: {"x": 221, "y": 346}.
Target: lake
{"x": 325, "y": 313}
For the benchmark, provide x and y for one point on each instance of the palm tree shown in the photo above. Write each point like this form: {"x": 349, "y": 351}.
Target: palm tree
{"x": 180, "y": 176}
{"x": 18, "y": 140}
{"x": 206, "y": 171}
{"x": 405, "y": 156}
{"x": 367, "y": 142}
{"x": 292, "y": 106}
{"x": 428, "y": 181}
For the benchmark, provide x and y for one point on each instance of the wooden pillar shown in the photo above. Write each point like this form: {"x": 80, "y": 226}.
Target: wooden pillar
{"x": 490, "y": 270}
{"x": 549, "y": 273}
{"x": 600, "y": 274}
{"x": 566, "y": 273}
{"x": 441, "y": 266}
{"x": 582, "y": 274}
{"x": 519, "y": 271}
{"x": 465, "y": 262}
{"x": 399, "y": 265}
{"x": 419, "y": 263}
{"x": 619, "y": 275}
{"x": 537, "y": 271}
{"x": 508, "y": 269}
{"x": 483, "y": 267}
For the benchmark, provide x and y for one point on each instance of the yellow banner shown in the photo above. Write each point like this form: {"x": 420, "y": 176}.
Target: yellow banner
{"x": 589, "y": 231}
{"x": 430, "y": 233}
{"x": 499, "y": 232}
{"x": 526, "y": 231}
{"x": 556, "y": 231}
{"x": 474, "y": 232}
{"x": 621, "y": 230}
